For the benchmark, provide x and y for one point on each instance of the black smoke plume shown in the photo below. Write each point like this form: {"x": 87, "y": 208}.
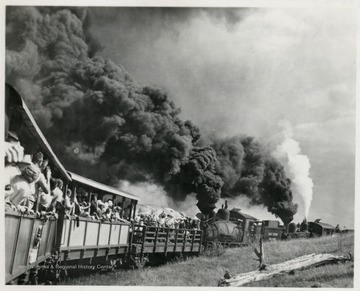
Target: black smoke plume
{"x": 103, "y": 125}
{"x": 247, "y": 169}
{"x": 198, "y": 176}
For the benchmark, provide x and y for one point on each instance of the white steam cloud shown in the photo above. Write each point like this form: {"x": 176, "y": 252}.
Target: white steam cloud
{"x": 297, "y": 165}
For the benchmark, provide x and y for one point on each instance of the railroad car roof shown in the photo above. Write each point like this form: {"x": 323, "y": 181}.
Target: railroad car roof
{"x": 40, "y": 138}
{"x": 100, "y": 186}
{"x": 324, "y": 225}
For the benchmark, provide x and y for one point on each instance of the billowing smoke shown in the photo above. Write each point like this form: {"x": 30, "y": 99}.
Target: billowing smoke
{"x": 103, "y": 125}
{"x": 298, "y": 165}
{"x": 247, "y": 169}
{"x": 198, "y": 176}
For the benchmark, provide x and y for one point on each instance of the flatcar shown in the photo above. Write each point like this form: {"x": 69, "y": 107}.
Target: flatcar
{"x": 41, "y": 249}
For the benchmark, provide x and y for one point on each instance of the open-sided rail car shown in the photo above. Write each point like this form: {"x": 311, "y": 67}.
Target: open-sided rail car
{"x": 88, "y": 239}
{"x": 29, "y": 241}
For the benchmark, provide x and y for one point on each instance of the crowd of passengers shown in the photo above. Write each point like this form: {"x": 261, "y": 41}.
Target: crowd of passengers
{"x": 167, "y": 220}
{"x": 30, "y": 188}
{"x": 164, "y": 221}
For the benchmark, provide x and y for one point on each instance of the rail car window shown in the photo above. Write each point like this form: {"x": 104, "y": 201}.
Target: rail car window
{"x": 128, "y": 208}
{"x": 81, "y": 194}
{"x": 108, "y": 197}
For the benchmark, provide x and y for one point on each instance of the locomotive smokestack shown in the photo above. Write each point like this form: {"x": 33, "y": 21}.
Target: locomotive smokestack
{"x": 286, "y": 220}
{"x": 304, "y": 226}
{"x": 207, "y": 209}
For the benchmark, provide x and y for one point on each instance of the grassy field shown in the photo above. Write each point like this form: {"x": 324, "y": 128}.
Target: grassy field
{"x": 208, "y": 269}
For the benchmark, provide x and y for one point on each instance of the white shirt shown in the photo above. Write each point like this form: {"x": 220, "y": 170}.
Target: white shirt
{"x": 10, "y": 172}
{"x": 22, "y": 189}
{"x": 45, "y": 199}
{"x": 57, "y": 195}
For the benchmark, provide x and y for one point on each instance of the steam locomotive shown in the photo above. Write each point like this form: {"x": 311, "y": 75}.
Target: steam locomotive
{"x": 233, "y": 228}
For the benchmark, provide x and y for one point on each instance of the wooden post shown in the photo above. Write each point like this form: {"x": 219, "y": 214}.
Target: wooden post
{"x": 166, "y": 241}
{"x": 143, "y": 240}
{"x": 134, "y": 210}
{"x": 98, "y": 234}
{"x": 156, "y": 239}
{"x": 192, "y": 241}
{"x": 122, "y": 207}
{"x": 86, "y": 226}
{"x": 184, "y": 242}
{"x": 111, "y": 225}
{"x": 89, "y": 199}
{"x": 176, "y": 238}
{"x": 73, "y": 192}
{"x": 261, "y": 255}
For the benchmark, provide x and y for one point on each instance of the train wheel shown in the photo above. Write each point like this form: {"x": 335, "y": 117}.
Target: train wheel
{"x": 119, "y": 263}
{"x": 141, "y": 261}
{"x": 136, "y": 262}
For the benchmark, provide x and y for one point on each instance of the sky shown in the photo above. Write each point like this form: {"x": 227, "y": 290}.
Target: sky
{"x": 244, "y": 71}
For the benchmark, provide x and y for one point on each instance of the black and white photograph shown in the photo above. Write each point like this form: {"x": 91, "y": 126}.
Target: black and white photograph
{"x": 179, "y": 145}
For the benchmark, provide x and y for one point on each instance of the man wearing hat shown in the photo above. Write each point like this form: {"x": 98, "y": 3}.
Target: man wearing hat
{"x": 56, "y": 193}
{"x": 101, "y": 208}
{"x": 93, "y": 206}
{"x": 116, "y": 212}
{"x": 42, "y": 182}
{"x": 12, "y": 171}
{"x": 22, "y": 189}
